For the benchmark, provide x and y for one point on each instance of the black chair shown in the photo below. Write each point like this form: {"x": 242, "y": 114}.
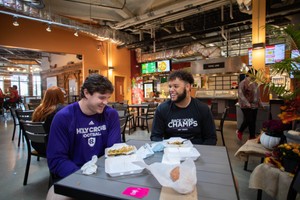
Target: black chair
{"x": 16, "y": 121}
{"x": 149, "y": 114}
{"x": 33, "y": 132}
{"x": 25, "y": 115}
{"x": 32, "y": 106}
{"x": 130, "y": 116}
{"x": 220, "y": 127}
{"x": 295, "y": 186}
{"x": 123, "y": 122}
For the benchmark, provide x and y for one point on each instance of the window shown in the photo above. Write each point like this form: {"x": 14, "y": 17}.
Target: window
{"x": 22, "y": 82}
{"x": 2, "y": 83}
{"x": 36, "y": 83}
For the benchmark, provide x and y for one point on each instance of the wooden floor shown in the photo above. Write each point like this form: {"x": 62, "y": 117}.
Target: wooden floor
{"x": 13, "y": 160}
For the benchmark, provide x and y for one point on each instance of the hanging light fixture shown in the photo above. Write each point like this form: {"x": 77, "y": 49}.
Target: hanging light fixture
{"x": 15, "y": 23}
{"x": 76, "y": 33}
{"x": 48, "y": 28}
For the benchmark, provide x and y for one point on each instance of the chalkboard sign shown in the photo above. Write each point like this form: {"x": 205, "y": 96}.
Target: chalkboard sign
{"x": 214, "y": 65}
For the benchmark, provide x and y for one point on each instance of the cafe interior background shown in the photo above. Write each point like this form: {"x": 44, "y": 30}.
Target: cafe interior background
{"x": 136, "y": 45}
{"x": 43, "y": 49}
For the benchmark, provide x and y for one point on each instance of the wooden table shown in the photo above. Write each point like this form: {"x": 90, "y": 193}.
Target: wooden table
{"x": 138, "y": 107}
{"x": 214, "y": 174}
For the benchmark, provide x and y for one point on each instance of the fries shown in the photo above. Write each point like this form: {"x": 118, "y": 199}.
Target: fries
{"x": 175, "y": 142}
{"x": 122, "y": 151}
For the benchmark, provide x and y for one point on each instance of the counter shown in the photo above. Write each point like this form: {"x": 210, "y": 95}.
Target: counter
{"x": 155, "y": 99}
{"x": 218, "y": 100}
{"x": 218, "y": 105}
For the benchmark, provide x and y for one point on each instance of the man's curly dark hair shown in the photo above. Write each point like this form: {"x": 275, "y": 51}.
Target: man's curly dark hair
{"x": 96, "y": 83}
{"x": 182, "y": 75}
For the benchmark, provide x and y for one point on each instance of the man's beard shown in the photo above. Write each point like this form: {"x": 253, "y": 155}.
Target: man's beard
{"x": 180, "y": 97}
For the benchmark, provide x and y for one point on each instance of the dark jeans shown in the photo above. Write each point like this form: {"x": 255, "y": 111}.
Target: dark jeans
{"x": 8, "y": 104}
{"x": 249, "y": 121}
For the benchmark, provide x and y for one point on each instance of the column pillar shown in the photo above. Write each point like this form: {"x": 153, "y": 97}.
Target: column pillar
{"x": 258, "y": 32}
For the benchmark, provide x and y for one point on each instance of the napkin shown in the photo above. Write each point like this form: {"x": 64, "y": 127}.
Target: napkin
{"x": 144, "y": 151}
{"x": 157, "y": 146}
{"x": 90, "y": 167}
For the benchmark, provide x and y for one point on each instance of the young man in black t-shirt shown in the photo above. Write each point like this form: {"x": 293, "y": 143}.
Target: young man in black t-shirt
{"x": 182, "y": 115}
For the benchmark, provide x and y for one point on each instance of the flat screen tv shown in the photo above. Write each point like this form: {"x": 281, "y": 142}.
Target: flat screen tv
{"x": 273, "y": 53}
{"x": 164, "y": 66}
{"x": 149, "y": 67}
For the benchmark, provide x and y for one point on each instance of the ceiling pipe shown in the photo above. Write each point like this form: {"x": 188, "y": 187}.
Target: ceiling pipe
{"x": 214, "y": 29}
{"x": 37, "y": 19}
{"x": 187, "y": 4}
{"x": 230, "y": 11}
{"x": 102, "y": 34}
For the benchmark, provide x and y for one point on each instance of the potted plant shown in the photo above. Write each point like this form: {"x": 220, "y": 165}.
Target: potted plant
{"x": 288, "y": 154}
{"x": 291, "y": 109}
{"x": 272, "y": 133}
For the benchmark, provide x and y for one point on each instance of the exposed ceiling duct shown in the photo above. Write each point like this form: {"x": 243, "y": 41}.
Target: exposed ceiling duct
{"x": 172, "y": 9}
{"x": 187, "y": 51}
{"x": 24, "y": 9}
{"x": 157, "y": 26}
{"x": 245, "y": 6}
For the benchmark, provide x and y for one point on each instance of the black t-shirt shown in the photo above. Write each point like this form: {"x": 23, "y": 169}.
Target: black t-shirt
{"x": 195, "y": 122}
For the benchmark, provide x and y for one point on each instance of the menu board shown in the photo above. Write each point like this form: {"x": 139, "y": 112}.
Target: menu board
{"x": 163, "y": 66}
{"x": 149, "y": 67}
{"x": 273, "y": 53}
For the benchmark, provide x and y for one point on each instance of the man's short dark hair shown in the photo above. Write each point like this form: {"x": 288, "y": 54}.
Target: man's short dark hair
{"x": 96, "y": 83}
{"x": 182, "y": 75}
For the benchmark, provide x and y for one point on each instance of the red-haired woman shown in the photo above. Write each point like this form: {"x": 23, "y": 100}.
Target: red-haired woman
{"x": 52, "y": 102}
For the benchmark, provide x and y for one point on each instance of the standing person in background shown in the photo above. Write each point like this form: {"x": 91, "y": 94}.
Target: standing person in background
{"x": 52, "y": 102}
{"x": 249, "y": 101}
{"x": 13, "y": 96}
{"x": 83, "y": 129}
{"x": 182, "y": 115}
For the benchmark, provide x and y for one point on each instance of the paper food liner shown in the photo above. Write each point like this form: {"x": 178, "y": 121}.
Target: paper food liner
{"x": 168, "y": 193}
{"x": 187, "y": 178}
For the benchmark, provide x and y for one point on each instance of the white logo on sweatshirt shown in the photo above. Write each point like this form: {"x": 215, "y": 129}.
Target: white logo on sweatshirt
{"x": 91, "y": 123}
{"x": 92, "y": 141}
{"x": 183, "y": 123}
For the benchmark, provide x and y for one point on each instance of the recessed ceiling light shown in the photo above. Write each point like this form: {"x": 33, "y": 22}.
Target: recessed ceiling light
{"x": 15, "y": 23}
{"x": 48, "y": 28}
{"x": 76, "y": 33}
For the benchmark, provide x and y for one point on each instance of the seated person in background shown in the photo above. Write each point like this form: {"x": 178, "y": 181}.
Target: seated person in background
{"x": 13, "y": 96}
{"x": 83, "y": 129}
{"x": 52, "y": 102}
{"x": 182, "y": 115}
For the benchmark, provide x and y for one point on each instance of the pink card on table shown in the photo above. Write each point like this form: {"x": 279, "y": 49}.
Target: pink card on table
{"x": 136, "y": 192}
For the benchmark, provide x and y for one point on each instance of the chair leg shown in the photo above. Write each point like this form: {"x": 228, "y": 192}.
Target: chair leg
{"x": 147, "y": 125}
{"x": 13, "y": 135}
{"x": 223, "y": 138}
{"x": 27, "y": 170}
{"x": 20, "y": 135}
{"x": 123, "y": 137}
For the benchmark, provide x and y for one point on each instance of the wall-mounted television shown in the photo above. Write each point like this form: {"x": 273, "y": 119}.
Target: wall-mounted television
{"x": 164, "y": 66}
{"x": 149, "y": 67}
{"x": 273, "y": 53}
